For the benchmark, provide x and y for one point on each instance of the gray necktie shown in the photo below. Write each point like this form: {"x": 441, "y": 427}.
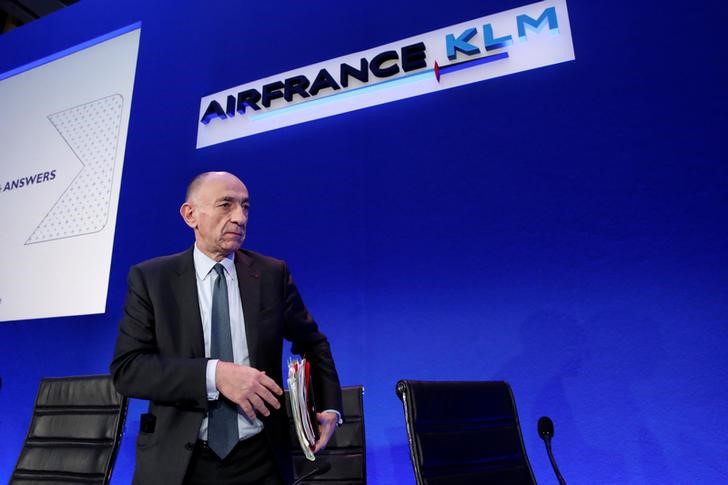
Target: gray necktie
{"x": 222, "y": 428}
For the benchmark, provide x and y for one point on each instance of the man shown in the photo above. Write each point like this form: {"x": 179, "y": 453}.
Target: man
{"x": 201, "y": 338}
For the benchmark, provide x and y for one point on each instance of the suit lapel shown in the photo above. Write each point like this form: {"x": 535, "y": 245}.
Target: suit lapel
{"x": 184, "y": 288}
{"x": 249, "y": 285}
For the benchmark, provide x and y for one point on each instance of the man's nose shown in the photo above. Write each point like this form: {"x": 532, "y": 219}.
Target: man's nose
{"x": 240, "y": 215}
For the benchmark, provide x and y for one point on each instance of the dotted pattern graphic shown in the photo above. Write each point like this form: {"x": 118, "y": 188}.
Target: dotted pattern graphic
{"x": 91, "y": 130}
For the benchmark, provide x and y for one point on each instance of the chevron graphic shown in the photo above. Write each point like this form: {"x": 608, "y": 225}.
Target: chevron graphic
{"x": 91, "y": 131}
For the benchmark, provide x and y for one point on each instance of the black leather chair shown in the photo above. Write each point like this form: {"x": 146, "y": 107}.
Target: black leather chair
{"x": 74, "y": 434}
{"x": 346, "y": 451}
{"x": 464, "y": 433}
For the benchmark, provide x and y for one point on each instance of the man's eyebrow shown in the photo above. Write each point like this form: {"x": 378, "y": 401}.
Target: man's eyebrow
{"x": 230, "y": 198}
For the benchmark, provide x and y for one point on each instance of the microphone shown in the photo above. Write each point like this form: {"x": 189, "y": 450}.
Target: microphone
{"x": 319, "y": 470}
{"x": 546, "y": 432}
{"x": 545, "y": 428}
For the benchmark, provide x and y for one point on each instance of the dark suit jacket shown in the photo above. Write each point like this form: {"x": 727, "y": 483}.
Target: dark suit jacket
{"x": 160, "y": 354}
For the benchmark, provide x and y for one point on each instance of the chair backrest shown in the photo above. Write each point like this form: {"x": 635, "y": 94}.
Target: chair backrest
{"x": 346, "y": 451}
{"x": 464, "y": 433}
{"x": 74, "y": 434}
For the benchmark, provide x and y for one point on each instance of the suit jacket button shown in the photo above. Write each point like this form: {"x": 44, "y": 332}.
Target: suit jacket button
{"x": 189, "y": 446}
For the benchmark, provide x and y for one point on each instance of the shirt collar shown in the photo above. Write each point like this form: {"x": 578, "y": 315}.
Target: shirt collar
{"x": 204, "y": 263}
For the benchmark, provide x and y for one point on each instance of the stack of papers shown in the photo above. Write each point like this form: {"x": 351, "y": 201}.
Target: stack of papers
{"x": 299, "y": 381}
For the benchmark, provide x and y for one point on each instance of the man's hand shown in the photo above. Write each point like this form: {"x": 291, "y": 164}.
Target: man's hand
{"x": 247, "y": 387}
{"x": 327, "y": 426}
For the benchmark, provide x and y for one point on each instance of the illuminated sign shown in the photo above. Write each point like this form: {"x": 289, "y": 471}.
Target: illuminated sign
{"x": 508, "y": 42}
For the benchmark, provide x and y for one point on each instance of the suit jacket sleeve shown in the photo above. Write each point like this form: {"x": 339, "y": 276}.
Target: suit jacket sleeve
{"x": 146, "y": 365}
{"x": 302, "y": 330}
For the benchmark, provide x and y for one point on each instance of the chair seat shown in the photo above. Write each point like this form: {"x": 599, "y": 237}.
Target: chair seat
{"x": 463, "y": 432}
{"x": 74, "y": 434}
{"x": 345, "y": 452}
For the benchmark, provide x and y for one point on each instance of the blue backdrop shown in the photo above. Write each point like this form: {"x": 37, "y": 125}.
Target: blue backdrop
{"x": 563, "y": 229}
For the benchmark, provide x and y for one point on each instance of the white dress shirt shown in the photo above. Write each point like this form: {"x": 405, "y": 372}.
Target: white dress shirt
{"x": 206, "y": 278}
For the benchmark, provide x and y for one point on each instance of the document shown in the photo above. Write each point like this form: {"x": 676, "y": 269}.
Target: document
{"x": 302, "y": 405}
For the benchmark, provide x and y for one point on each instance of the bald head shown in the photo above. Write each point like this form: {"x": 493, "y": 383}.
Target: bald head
{"x": 197, "y": 182}
{"x": 216, "y": 208}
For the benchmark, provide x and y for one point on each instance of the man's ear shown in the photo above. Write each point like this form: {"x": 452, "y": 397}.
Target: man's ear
{"x": 189, "y": 215}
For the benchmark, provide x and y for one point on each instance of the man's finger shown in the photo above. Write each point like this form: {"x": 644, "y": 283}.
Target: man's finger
{"x": 270, "y": 384}
{"x": 327, "y": 426}
{"x": 259, "y": 405}
{"x": 325, "y": 434}
{"x": 247, "y": 409}
{"x": 269, "y": 397}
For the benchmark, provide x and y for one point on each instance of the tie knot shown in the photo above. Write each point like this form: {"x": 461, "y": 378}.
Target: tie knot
{"x": 219, "y": 269}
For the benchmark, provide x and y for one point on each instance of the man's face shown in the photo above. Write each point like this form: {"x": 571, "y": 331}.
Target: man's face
{"x": 218, "y": 212}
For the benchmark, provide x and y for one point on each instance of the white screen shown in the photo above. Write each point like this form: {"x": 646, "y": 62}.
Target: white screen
{"x": 63, "y": 131}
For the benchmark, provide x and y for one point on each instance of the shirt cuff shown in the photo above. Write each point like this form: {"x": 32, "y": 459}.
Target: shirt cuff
{"x": 339, "y": 421}
{"x": 212, "y": 393}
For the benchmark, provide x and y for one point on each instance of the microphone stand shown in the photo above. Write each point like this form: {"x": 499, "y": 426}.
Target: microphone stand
{"x": 546, "y": 432}
{"x": 319, "y": 470}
